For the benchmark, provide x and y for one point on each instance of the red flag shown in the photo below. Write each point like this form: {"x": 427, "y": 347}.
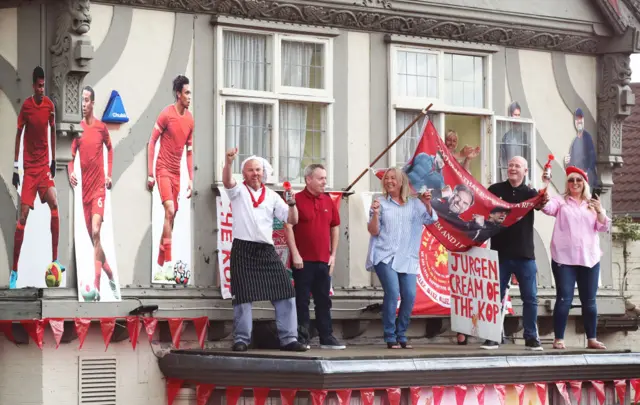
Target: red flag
{"x": 501, "y": 390}
{"x": 175, "y": 326}
{"x": 479, "y": 389}
{"x": 415, "y": 394}
{"x": 394, "y": 396}
{"x": 203, "y": 393}
{"x": 287, "y": 397}
{"x": 233, "y": 394}
{"x": 344, "y": 397}
{"x": 7, "y": 329}
{"x": 57, "y": 327}
{"x": 336, "y": 196}
{"x": 542, "y": 392}
{"x": 461, "y": 393}
{"x": 318, "y": 396}
{"x": 82, "y": 328}
{"x": 367, "y": 396}
{"x": 434, "y": 167}
{"x": 107, "y": 326}
{"x": 576, "y": 390}
{"x": 598, "y": 386}
{"x": 438, "y": 393}
{"x": 150, "y": 326}
{"x": 173, "y": 386}
{"x": 201, "y": 324}
{"x": 562, "y": 388}
{"x": 635, "y": 383}
{"x": 520, "y": 391}
{"x": 621, "y": 389}
{"x": 260, "y": 395}
{"x": 35, "y": 330}
{"x": 133, "y": 327}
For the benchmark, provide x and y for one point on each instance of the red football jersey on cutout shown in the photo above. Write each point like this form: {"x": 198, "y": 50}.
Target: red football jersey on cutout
{"x": 36, "y": 119}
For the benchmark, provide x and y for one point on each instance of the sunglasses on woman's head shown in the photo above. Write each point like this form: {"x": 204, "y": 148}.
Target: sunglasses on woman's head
{"x": 575, "y": 180}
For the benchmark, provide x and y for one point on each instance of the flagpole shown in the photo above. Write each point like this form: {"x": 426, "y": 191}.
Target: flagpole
{"x": 422, "y": 113}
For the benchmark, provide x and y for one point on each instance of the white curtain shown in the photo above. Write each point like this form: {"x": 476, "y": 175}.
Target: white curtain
{"x": 245, "y": 64}
{"x": 248, "y": 126}
{"x": 296, "y": 72}
{"x": 406, "y": 146}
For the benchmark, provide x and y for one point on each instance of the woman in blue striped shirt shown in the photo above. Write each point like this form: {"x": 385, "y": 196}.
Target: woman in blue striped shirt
{"x": 395, "y": 224}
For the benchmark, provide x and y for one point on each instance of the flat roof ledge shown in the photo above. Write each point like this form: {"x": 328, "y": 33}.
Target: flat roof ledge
{"x": 376, "y": 367}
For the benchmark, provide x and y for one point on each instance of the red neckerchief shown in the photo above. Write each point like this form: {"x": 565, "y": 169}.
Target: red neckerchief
{"x": 256, "y": 204}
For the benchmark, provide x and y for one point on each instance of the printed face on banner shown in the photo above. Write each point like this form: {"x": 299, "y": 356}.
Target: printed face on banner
{"x": 97, "y": 268}
{"x": 179, "y": 269}
{"x": 468, "y": 213}
{"x": 474, "y": 281}
{"x": 35, "y": 254}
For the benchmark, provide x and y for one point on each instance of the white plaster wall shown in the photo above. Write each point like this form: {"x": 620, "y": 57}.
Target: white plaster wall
{"x": 139, "y": 379}
{"x": 100, "y": 22}
{"x": 136, "y": 76}
{"x": 358, "y": 141}
{"x": 582, "y": 72}
{"x": 9, "y": 35}
{"x": 553, "y": 120}
{"x": 137, "y": 73}
{"x": 8, "y": 116}
{"x": 21, "y": 377}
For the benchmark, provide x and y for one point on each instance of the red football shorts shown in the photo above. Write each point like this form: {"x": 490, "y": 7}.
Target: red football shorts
{"x": 36, "y": 179}
{"x": 169, "y": 188}
{"x": 92, "y": 207}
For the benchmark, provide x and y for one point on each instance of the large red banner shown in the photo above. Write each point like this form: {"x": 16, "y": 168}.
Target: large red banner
{"x": 468, "y": 214}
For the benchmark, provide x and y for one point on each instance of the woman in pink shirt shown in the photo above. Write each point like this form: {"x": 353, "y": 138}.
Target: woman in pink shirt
{"x": 575, "y": 253}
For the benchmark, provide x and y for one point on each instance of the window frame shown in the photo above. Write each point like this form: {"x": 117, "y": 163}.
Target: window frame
{"x": 278, "y": 93}
{"x": 533, "y": 163}
{"x": 439, "y": 106}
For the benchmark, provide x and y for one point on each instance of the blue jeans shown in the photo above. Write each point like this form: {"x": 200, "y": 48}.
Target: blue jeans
{"x": 396, "y": 285}
{"x": 525, "y": 271}
{"x": 566, "y": 277}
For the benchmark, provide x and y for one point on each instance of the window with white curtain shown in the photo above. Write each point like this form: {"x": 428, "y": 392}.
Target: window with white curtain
{"x": 454, "y": 81}
{"x": 275, "y": 95}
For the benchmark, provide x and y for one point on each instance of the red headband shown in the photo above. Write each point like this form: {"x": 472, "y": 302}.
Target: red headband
{"x": 573, "y": 169}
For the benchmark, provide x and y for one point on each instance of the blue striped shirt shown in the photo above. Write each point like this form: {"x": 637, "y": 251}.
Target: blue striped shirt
{"x": 400, "y": 233}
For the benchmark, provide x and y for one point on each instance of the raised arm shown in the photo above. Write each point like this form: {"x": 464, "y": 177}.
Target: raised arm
{"x": 552, "y": 207}
{"x": 227, "y": 177}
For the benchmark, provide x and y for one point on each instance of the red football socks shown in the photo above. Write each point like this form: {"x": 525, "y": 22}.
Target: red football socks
{"x": 161, "y": 255}
{"x": 97, "y": 274}
{"x": 107, "y": 270}
{"x": 166, "y": 242}
{"x": 55, "y": 233}
{"x": 17, "y": 244}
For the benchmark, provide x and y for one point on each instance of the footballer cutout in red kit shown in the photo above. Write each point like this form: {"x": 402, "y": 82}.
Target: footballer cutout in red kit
{"x": 174, "y": 129}
{"x": 37, "y": 120}
{"x": 90, "y": 147}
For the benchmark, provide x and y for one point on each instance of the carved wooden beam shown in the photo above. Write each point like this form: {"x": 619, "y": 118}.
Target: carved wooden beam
{"x": 71, "y": 52}
{"x": 381, "y": 16}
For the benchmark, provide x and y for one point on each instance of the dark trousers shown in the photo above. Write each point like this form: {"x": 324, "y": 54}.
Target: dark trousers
{"x": 314, "y": 279}
{"x": 587, "y": 279}
{"x": 525, "y": 271}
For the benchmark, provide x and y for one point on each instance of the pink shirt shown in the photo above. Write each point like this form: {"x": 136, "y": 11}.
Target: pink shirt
{"x": 575, "y": 240}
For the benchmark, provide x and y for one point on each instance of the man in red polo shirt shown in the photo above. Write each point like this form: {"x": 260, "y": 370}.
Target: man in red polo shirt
{"x": 313, "y": 243}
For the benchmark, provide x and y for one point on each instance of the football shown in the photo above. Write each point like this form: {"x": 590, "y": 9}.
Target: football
{"x": 181, "y": 273}
{"x": 53, "y": 275}
{"x": 88, "y": 293}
